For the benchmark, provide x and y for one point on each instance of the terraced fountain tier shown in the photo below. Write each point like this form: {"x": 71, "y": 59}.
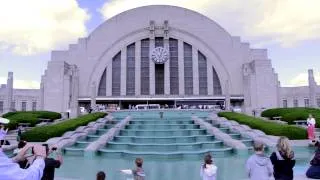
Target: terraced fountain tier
{"x": 174, "y": 137}
{"x": 78, "y": 147}
{"x": 247, "y": 141}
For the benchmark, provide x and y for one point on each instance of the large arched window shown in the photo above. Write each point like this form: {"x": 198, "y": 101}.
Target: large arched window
{"x": 203, "y": 76}
{"x": 103, "y": 84}
{"x": 173, "y": 73}
{"x": 131, "y": 69}
{"x": 216, "y": 83}
{"x": 145, "y": 69}
{"x": 174, "y": 66}
{"x": 116, "y": 74}
{"x": 188, "y": 69}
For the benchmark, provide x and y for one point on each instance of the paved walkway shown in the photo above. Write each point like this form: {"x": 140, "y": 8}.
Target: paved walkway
{"x": 297, "y": 177}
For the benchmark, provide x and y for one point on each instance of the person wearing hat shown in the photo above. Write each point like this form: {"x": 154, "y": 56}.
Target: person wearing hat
{"x": 3, "y": 133}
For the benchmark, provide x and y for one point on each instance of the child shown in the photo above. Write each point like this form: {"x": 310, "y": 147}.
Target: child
{"x": 101, "y": 175}
{"x": 208, "y": 170}
{"x": 259, "y": 166}
{"x": 138, "y": 172}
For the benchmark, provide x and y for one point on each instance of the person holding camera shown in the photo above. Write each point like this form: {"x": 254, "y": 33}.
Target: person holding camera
{"x": 10, "y": 170}
{"x": 51, "y": 163}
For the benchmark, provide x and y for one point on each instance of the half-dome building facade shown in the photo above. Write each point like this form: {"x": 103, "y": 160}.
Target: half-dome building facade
{"x": 163, "y": 55}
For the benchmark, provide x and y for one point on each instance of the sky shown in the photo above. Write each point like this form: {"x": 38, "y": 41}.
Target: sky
{"x": 31, "y": 29}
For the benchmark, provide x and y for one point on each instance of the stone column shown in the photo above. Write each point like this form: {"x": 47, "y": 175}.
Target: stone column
{"x": 9, "y": 94}
{"x": 210, "y": 78}
{"x": 109, "y": 80}
{"x": 137, "y": 74}
{"x": 41, "y": 105}
{"x": 227, "y": 94}
{"x": 195, "y": 71}
{"x": 152, "y": 68}
{"x": 123, "y": 86}
{"x": 93, "y": 95}
{"x": 181, "y": 67}
{"x": 66, "y": 91}
{"x": 312, "y": 88}
{"x": 167, "y": 69}
{"x": 74, "y": 104}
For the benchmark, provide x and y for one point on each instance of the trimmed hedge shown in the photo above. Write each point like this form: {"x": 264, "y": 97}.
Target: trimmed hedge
{"x": 31, "y": 117}
{"x": 270, "y": 128}
{"x": 41, "y": 134}
{"x": 292, "y": 114}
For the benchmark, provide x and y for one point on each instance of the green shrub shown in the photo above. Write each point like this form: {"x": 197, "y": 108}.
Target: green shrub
{"x": 41, "y": 134}
{"x": 292, "y": 114}
{"x": 31, "y": 117}
{"x": 270, "y": 128}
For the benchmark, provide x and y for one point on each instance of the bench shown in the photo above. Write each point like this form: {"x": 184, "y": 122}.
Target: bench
{"x": 41, "y": 124}
{"x": 44, "y": 120}
{"x": 300, "y": 122}
{"x": 24, "y": 124}
{"x": 277, "y": 118}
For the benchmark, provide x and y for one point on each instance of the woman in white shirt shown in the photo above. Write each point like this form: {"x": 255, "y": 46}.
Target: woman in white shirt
{"x": 311, "y": 122}
{"x": 3, "y": 133}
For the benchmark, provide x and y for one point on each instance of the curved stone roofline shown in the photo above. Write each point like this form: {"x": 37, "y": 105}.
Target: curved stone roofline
{"x": 244, "y": 130}
{"x": 108, "y": 136}
{"x": 218, "y": 134}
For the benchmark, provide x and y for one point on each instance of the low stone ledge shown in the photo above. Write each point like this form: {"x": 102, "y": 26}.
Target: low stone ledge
{"x": 246, "y": 131}
{"x": 227, "y": 139}
{"x": 70, "y": 137}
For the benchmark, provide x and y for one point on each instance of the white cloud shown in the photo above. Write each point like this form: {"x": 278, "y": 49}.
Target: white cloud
{"x": 32, "y": 26}
{"x": 272, "y": 21}
{"x": 302, "y": 79}
{"x": 21, "y": 84}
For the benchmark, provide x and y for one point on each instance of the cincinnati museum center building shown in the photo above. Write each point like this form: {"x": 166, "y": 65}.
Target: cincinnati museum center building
{"x": 159, "y": 55}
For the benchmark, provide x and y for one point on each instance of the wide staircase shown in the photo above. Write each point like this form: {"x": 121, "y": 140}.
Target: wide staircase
{"x": 173, "y": 137}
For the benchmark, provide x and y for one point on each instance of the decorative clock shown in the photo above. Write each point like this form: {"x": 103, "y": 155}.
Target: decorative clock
{"x": 159, "y": 55}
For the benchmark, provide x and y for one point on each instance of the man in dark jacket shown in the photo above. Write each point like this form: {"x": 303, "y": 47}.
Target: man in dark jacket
{"x": 51, "y": 164}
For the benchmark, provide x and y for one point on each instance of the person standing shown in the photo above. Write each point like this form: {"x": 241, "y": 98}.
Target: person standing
{"x": 259, "y": 166}
{"x": 19, "y": 133}
{"x": 208, "y": 170}
{"x": 311, "y": 122}
{"x": 3, "y": 134}
{"x": 50, "y": 163}
{"x": 138, "y": 173}
{"x": 283, "y": 160}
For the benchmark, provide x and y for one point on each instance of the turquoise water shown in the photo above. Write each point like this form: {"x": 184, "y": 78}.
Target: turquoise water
{"x": 229, "y": 168}
{"x": 172, "y": 148}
